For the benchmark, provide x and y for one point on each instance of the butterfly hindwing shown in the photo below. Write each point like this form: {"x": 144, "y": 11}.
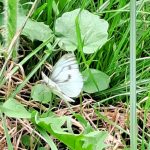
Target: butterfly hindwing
{"x": 55, "y": 88}
{"x": 73, "y": 86}
{"x": 67, "y": 76}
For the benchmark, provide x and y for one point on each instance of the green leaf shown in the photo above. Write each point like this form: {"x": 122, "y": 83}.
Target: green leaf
{"x": 95, "y": 140}
{"x": 84, "y": 141}
{"x": 84, "y": 123}
{"x": 1, "y": 20}
{"x": 93, "y": 31}
{"x": 25, "y": 140}
{"x": 13, "y": 108}
{"x": 54, "y": 121}
{"x": 34, "y": 30}
{"x": 48, "y": 139}
{"x": 95, "y": 80}
{"x": 41, "y": 93}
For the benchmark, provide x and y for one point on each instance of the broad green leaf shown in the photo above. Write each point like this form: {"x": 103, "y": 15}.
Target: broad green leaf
{"x": 34, "y": 30}
{"x": 41, "y": 93}
{"x": 95, "y": 140}
{"x": 55, "y": 122}
{"x": 13, "y": 108}
{"x": 93, "y": 31}
{"x": 83, "y": 141}
{"x": 95, "y": 80}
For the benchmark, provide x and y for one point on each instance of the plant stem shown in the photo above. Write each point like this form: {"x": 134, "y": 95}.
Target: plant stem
{"x": 133, "y": 115}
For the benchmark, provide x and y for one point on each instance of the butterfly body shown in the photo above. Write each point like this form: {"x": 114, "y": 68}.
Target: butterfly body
{"x": 66, "y": 80}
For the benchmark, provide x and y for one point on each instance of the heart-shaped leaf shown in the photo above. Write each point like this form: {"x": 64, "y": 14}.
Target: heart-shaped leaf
{"x": 34, "y": 30}
{"x": 93, "y": 31}
{"x": 95, "y": 80}
{"x": 41, "y": 93}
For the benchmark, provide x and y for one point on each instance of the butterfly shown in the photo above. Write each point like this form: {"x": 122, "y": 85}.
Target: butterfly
{"x": 65, "y": 80}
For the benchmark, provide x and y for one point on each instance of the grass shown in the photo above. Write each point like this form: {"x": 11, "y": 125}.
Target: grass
{"x": 106, "y": 110}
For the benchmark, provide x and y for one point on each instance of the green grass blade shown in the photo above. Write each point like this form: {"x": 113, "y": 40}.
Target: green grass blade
{"x": 48, "y": 139}
{"x": 18, "y": 89}
{"x": 133, "y": 115}
{"x": 10, "y": 146}
{"x": 49, "y": 11}
{"x": 3, "y": 80}
{"x": 79, "y": 39}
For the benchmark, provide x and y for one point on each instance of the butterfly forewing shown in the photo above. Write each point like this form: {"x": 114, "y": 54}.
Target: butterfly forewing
{"x": 64, "y": 64}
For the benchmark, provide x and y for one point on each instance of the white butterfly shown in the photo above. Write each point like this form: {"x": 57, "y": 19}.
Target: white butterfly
{"x": 66, "y": 80}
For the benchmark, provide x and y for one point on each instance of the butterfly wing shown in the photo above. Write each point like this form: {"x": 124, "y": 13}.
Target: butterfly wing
{"x": 67, "y": 76}
{"x": 55, "y": 88}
